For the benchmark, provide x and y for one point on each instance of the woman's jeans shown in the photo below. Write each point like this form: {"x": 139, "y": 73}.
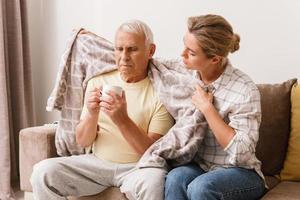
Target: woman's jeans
{"x": 192, "y": 182}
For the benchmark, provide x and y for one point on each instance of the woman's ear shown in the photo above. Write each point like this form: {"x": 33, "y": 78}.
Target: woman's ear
{"x": 152, "y": 50}
{"x": 216, "y": 59}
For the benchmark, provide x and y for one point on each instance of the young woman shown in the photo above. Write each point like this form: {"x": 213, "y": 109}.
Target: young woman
{"x": 225, "y": 166}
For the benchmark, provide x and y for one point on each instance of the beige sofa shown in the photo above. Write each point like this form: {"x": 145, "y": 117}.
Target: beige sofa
{"x": 37, "y": 143}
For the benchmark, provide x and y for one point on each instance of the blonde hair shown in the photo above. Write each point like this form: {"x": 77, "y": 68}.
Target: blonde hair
{"x": 138, "y": 27}
{"x": 214, "y": 34}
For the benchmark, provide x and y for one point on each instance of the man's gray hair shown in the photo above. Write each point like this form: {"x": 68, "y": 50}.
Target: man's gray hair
{"x": 138, "y": 27}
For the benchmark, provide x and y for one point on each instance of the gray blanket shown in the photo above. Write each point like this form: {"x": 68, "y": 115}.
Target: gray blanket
{"x": 88, "y": 55}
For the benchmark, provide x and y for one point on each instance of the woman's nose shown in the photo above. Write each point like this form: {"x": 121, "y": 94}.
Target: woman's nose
{"x": 183, "y": 54}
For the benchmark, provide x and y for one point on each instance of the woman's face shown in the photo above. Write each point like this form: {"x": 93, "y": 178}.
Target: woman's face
{"x": 193, "y": 55}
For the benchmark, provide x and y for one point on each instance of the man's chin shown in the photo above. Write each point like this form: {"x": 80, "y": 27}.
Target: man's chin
{"x": 126, "y": 73}
{"x": 127, "y": 77}
{"x": 126, "y": 66}
{"x": 125, "y": 70}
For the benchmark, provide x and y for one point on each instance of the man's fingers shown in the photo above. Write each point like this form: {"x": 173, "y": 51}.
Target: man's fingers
{"x": 93, "y": 99}
{"x": 115, "y": 95}
{"x": 106, "y": 111}
{"x": 94, "y": 105}
{"x": 105, "y": 105}
{"x": 97, "y": 89}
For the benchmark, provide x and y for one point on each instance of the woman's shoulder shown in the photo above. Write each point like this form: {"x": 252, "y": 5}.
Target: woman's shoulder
{"x": 247, "y": 87}
{"x": 240, "y": 77}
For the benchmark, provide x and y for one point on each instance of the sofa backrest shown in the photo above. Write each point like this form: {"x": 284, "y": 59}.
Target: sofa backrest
{"x": 275, "y": 125}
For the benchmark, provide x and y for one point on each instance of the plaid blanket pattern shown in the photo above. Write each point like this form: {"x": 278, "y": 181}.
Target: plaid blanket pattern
{"x": 88, "y": 55}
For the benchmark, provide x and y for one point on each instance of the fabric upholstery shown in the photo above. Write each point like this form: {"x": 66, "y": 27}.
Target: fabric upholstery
{"x": 292, "y": 162}
{"x": 36, "y": 144}
{"x": 112, "y": 193}
{"x": 275, "y": 126}
{"x": 284, "y": 191}
{"x": 271, "y": 181}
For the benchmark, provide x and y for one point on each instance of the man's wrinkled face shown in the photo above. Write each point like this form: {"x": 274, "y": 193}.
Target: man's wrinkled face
{"x": 132, "y": 54}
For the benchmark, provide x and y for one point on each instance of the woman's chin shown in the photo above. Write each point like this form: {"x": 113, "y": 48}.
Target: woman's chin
{"x": 187, "y": 66}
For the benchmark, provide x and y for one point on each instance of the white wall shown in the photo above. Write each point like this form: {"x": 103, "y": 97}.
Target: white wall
{"x": 269, "y": 30}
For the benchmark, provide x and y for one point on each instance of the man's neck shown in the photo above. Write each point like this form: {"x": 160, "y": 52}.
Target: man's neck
{"x": 133, "y": 79}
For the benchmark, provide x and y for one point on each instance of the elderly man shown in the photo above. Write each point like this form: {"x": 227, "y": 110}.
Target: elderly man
{"x": 118, "y": 128}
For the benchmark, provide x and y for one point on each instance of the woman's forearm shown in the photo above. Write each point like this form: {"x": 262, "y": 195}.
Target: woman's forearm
{"x": 222, "y": 131}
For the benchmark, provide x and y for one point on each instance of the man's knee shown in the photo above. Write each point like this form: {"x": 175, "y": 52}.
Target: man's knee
{"x": 148, "y": 184}
{"x": 43, "y": 169}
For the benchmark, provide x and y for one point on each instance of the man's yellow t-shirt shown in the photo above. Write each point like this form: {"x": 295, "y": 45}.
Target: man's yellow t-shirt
{"x": 143, "y": 107}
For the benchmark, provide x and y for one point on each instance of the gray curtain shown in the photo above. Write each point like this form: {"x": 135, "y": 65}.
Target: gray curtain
{"x": 16, "y": 96}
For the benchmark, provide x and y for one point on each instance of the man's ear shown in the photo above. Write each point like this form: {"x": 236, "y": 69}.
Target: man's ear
{"x": 152, "y": 50}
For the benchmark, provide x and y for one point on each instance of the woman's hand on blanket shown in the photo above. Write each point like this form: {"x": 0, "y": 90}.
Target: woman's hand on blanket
{"x": 93, "y": 101}
{"x": 115, "y": 107}
{"x": 201, "y": 99}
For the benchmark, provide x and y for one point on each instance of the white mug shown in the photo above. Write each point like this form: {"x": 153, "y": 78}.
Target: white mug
{"x": 107, "y": 88}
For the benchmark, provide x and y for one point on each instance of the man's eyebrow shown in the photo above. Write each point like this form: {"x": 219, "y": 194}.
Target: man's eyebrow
{"x": 127, "y": 47}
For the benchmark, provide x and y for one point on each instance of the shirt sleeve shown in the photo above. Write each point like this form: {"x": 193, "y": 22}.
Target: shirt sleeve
{"x": 161, "y": 120}
{"x": 245, "y": 120}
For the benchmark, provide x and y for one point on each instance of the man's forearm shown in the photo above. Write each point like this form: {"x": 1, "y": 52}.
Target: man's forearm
{"x": 86, "y": 131}
{"x": 136, "y": 137}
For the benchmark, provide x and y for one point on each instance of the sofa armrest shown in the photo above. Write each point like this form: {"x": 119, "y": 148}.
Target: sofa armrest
{"x": 35, "y": 144}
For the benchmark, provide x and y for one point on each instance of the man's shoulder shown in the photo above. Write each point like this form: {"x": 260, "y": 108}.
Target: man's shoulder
{"x": 106, "y": 75}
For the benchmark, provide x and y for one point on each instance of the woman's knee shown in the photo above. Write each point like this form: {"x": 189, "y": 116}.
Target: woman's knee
{"x": 181, "y": 176}
{"x": 173, "y": 177}
{"x": 204, "y": 188}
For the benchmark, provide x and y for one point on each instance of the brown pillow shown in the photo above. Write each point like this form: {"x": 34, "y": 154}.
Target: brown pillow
{"x": 275, "y": 125}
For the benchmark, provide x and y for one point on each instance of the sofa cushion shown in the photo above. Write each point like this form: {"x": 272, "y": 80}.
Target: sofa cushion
{"x": 271, "y": 181}
{"x": 284, "y": 191}
{"x": 292, "y": 162}
{"x": 112, "y": 193}
{"x": 35, "y": 144}
{"x": 275, "y": 125}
